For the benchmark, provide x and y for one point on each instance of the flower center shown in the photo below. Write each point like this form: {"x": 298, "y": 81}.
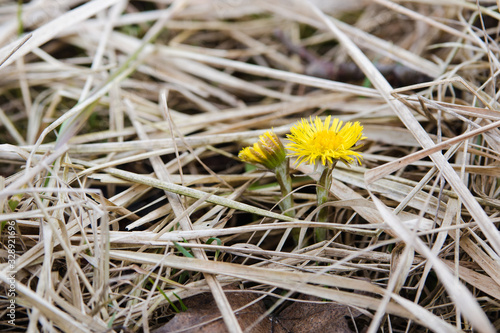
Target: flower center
{"x": 326, "y": 141}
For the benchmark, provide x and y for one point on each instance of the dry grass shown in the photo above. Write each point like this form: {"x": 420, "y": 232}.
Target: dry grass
{"x": 120, "y": 128}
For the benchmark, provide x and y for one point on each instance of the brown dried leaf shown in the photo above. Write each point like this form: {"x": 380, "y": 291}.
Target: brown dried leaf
{"x": 306, "y": 317}
{"x": 202, "y": 309}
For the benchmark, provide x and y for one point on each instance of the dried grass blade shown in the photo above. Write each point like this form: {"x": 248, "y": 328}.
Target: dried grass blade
{"x": 51, "y": 29}
{"x": 383, "y": 170}
{"x": 175, "y": 200}
{"x": 44, "y": 163}
{"x": 478, "y": 280}
{"x": 461, "y": 296}
{"x": 9, "y": 50}
{"x": 197, "y": 194}
{"x": 296, "y": 281}
{"x": 62, "y": 319}
{"x": 146, "y": 237}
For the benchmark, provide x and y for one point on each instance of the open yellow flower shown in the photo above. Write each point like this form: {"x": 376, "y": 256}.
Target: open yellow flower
{"x": 314, "y": 141}
{"x": 268, "y": 151}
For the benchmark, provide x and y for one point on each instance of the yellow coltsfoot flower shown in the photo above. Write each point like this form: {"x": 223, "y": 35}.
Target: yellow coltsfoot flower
{"x": 324, "y": 144}
{"x": 314, "y": 141}
{"x": 268, "y": 151}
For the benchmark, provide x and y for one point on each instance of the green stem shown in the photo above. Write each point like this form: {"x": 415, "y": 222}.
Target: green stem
{"x": 322, "y": 191}
{"x": 20, "y": 25}
{"x": 282, "y": 172}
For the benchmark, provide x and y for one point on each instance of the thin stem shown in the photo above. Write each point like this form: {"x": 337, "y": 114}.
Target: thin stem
{"x": 283, "y": 177}
{"x": 322, "y": 191}
{"x": 282, "y": 172}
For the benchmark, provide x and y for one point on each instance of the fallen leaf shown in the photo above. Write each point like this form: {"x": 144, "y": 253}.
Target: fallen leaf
{"x": 324, "y": 317}
{"x": 202, "y": 309}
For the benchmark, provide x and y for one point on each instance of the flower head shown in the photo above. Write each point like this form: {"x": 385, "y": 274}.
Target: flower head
{"x": 268, "y": 151}
{"x": 314, "y": 141}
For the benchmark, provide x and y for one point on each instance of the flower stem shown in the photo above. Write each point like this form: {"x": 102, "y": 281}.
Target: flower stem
{"x": 282, "y": 172}
{"x": 322, "y": 191}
